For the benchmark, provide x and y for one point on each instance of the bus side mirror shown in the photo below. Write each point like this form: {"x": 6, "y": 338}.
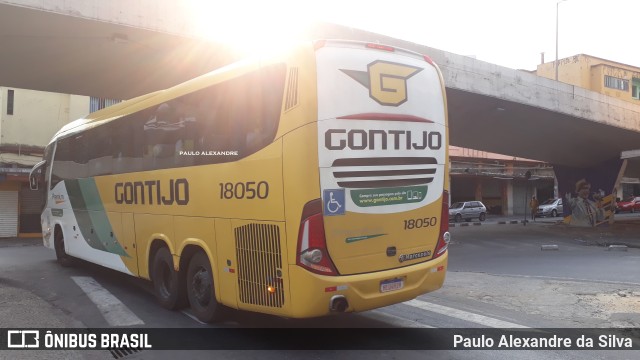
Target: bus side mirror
{"x": 35, "y": 175}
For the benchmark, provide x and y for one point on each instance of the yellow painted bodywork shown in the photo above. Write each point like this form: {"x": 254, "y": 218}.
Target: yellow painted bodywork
{"x": 179, "y": 225}
{"x": 310, "y": 296}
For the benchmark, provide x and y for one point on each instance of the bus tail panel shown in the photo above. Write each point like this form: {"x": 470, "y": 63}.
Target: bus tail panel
{"x": 382, "y": 153}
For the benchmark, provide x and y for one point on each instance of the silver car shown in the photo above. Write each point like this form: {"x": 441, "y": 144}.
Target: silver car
{"x": 551, "y": 207}
{"x": 467, "y": 210}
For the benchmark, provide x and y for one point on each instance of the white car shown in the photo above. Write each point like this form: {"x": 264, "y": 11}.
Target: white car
{"x": 467, "y": 210}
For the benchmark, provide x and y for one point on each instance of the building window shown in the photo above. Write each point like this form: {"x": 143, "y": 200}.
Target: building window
{"x": 616, "y": 83}
{"x": 9, "y": 102}
{"x": 635, "y": 88}
{"x": 96, "y": 104}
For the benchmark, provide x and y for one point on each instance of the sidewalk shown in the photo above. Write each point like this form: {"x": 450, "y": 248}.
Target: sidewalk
{"x": 18, "y": 241}
{"x": 625, "y": 231}
{"x": 506, "y": 220}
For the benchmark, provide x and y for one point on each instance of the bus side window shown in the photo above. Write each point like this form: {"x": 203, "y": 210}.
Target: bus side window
{"x": 46, "y": 172}
{"x": 160, "y": 132}
{"x": 128, "y": 144}
{"x": 62, "y": 161}
{"x": 214, "y": 126}
{"x": 98, "y": 151}
{"x": 217, "y": 127}
{"x": 265, "y": 107}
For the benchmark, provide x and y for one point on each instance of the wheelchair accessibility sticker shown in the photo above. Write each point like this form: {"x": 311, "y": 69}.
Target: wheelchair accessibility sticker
{"x": 333, "y": 202}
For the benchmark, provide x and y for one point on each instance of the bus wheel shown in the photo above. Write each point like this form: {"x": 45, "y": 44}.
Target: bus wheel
{"x": 200, "y": 289}
{"x": 61, "y": 255}
{"x": 168, "y": 288}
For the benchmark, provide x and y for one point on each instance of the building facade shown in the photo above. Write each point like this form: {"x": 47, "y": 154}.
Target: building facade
{"x": 28, "y": 120}
{"x": 606, "y": 77}
{"x": 505, "y": 184}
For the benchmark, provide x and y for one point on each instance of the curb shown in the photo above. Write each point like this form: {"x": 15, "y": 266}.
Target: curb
{"x": 509, "y": 222}
{"x": 617, "y": 248}
{"x": 620, "y": 245}
{"x": 501, "y": 222}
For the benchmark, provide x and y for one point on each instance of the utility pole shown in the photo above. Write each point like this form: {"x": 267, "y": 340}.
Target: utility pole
{"x": 527, "y": 176}
{"x": 556, "y": 63}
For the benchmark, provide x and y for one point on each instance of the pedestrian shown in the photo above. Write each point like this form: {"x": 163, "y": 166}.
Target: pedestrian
{"x": 533, "y": 204}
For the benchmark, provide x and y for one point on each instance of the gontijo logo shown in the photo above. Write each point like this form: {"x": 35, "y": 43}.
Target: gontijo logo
{"x": 386, "y": 81}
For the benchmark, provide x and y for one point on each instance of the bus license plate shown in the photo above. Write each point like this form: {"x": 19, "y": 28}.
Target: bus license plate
{"x": 391, "y": 285}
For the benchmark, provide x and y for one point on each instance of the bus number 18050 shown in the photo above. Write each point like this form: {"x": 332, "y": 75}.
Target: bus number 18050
{"x": 244, "y": 190}
{"x": 420, "y": 223}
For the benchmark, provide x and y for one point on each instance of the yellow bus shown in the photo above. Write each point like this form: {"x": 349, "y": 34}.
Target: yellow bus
{"x": 303, "y": 184}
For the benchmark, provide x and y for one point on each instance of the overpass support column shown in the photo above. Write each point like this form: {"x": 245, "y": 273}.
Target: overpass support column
{"x": 507, "y": 198}
{"x": 589, "y": 193}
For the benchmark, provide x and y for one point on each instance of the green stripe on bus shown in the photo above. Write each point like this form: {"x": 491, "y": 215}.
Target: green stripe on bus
{"x": 91, "y": 216}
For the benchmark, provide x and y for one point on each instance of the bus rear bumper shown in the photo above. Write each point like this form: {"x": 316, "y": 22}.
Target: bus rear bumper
{"x": 321, "y": 295}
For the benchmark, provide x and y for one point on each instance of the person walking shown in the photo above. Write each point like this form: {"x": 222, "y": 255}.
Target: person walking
{"x": 533, "y": 204}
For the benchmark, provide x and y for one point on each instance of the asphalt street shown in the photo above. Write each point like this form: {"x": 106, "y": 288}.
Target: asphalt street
{"x": 499, "y": 276}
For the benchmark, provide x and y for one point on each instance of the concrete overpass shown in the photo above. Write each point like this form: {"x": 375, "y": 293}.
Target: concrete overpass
{"x": 88, "y": 48}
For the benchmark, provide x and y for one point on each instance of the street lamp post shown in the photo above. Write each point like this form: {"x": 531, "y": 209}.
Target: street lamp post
{"x": 556, "y": 63}
{"x": 527, "y": 176}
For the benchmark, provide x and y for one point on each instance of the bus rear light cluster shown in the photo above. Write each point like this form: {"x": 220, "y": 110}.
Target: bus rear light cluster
{"x": 312, "y": 251}
{"x": 380, "y": 47}
{"x": 428, "y": 59}
{"x": 444, "y": 237}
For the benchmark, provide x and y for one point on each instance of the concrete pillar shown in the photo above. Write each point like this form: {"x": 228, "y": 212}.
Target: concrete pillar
{"x": 478, "y": 192}
{"x": 507, "y": 198}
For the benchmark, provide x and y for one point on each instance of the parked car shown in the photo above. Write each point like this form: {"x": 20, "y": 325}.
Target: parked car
{"x": 551, "y": 207}
{"x": 467, "y": 210}
{"x": 632, "y": 204}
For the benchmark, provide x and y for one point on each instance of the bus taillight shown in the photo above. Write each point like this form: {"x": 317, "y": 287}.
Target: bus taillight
{"x": 312, "y": 245}
{"x": 380, "y": 47}
{"x": 444, "y": 236}
{"x": 428, "y": 59}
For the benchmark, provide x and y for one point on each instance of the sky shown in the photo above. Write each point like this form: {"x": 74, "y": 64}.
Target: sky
{"x": 511, "y": 33}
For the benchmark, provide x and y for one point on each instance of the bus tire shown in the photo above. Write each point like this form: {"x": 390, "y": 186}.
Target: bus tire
{"x": 61, "y": 255}
{"x": 201, "y": 290}
{"x": 167, "y": 286}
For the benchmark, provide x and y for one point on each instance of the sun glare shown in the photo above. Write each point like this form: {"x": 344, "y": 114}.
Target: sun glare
{"x": 251, "y": 26}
